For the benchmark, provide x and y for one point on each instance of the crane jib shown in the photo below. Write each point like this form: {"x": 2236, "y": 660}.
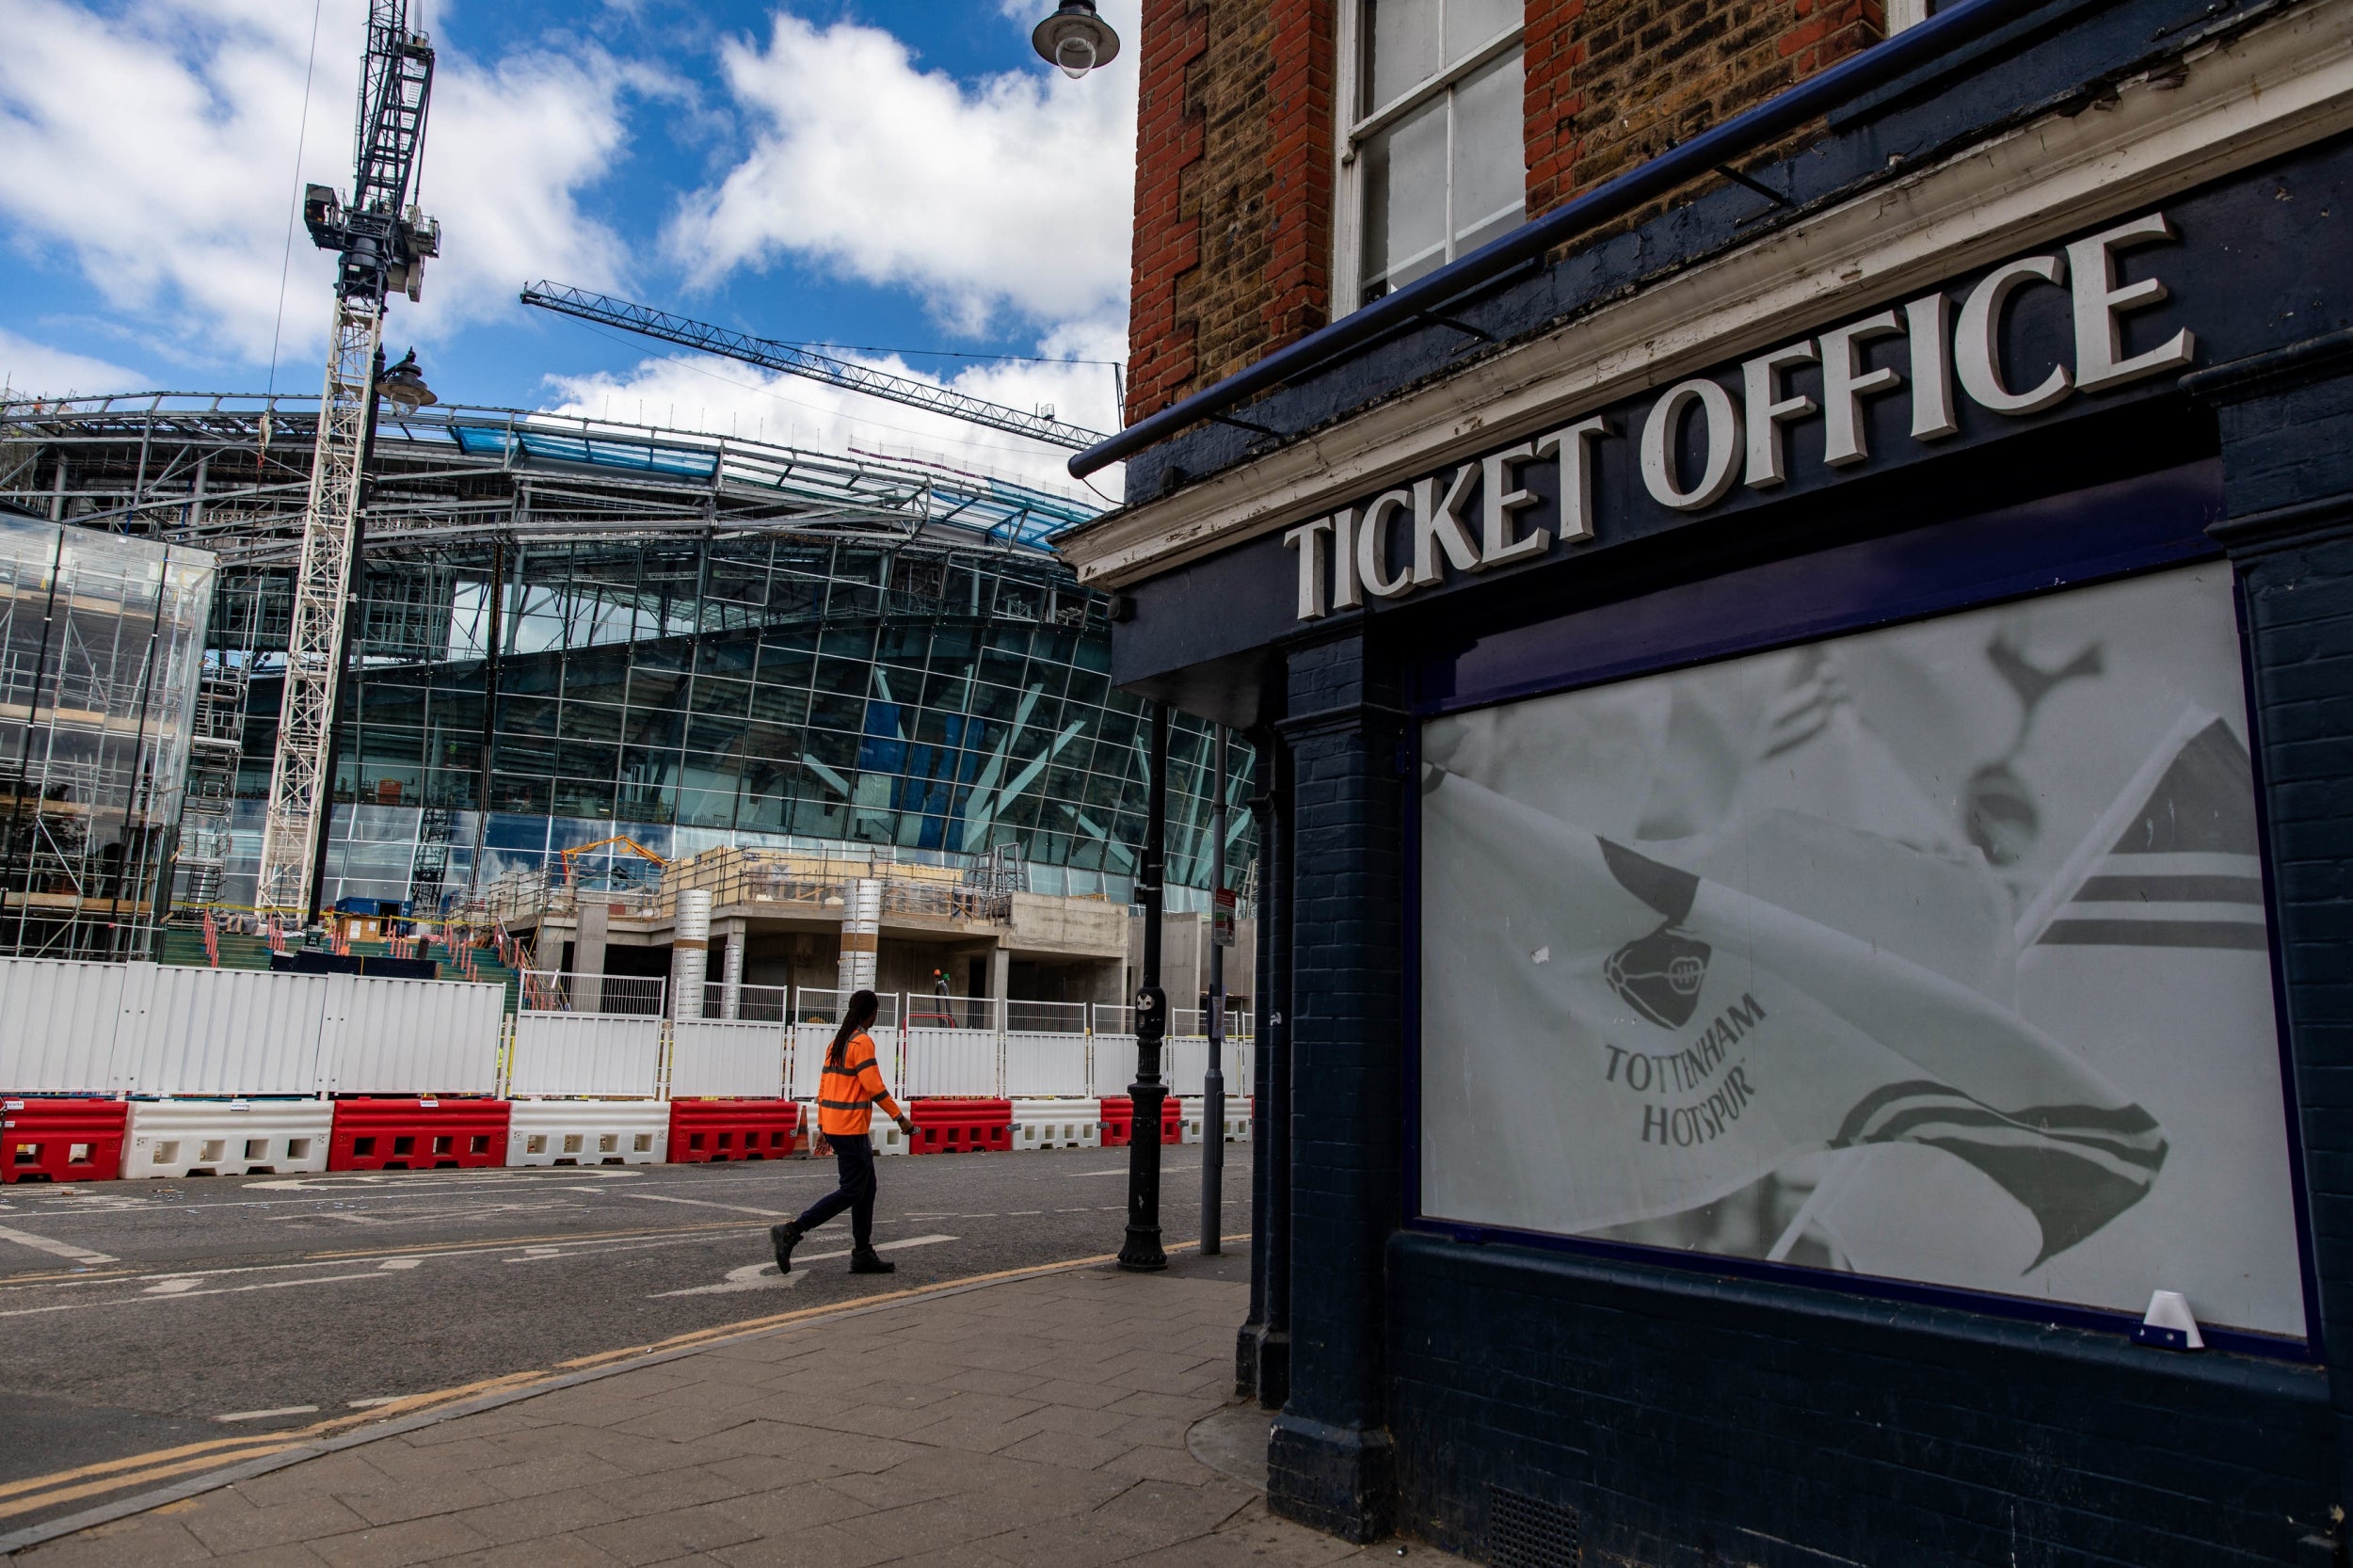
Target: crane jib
{"x": 645, "y": 320}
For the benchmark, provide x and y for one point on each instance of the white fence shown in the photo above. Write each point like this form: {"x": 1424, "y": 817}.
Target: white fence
{"x": 584, "y": 1053}
{"x": 146, "y": 1029}
{"x": 713, "y": 1057}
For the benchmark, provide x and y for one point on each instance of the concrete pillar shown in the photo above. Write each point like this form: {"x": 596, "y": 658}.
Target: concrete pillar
{"x": 861, "y": 937}
{"x": 999, "y": 967}
{"x": 594, "y": 918}
{"x": 690, "y": 953}
{"x": 731, "y": 972}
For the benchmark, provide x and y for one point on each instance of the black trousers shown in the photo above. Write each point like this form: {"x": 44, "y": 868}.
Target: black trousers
{"x": 855, "y": 1158}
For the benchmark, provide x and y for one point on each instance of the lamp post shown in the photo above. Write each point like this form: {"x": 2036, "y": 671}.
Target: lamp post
{"x": 1074, "y": 39}
{"x": 1141, "y": 1252}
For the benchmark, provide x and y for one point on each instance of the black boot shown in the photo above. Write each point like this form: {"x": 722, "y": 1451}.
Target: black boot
{"x": 785, "y": 1237}
{"x": 866, "y": 1260}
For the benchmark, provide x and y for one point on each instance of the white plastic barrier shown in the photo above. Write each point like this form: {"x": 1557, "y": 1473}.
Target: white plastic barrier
{"x": 59, "y": 1019}
{"x": 950, "y": 1062}
{"x": 883, "y": 1133}
{"x": 180, "y": 1138}
{"x": 1190, "y": 1113}
{"x": 1057, "y": 1124}
{"x": 1185, "y": 1064}
{"x": 709, "y": 1057}
{"x": 584, "y": 1053}
{"x": 219, "y": 1032}
{"x": 410, "y": 1037}
{"x": 1039, "y": 1064}
{"x": 588, "y": 1132}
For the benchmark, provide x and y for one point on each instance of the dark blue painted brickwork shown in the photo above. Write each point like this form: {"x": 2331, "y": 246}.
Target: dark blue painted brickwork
{"x": 1701, "y": 1421}
{"x": 2287, "y": 454}
{"x": 1330, "y": 1461}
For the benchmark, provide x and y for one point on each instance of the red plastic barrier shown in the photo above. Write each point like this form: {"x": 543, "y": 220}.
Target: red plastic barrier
{"x": 707, "y": 1130}
{"x": 961, "y": 1125}
{"x": 61, "y": 1140}
{"x": 417, "y": 1135}
{"x": 1118, "y": 1119}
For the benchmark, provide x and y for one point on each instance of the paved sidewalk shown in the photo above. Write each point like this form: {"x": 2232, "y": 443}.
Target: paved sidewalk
{"x": 1036, "y": 1422}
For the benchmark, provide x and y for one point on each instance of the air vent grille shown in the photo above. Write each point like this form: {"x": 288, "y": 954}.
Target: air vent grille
{"x": 1529, "y": 1532}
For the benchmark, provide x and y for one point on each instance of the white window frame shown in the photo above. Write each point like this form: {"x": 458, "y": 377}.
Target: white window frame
{"x": 1905, "y": 14}
{"x": 1351, "y": 131}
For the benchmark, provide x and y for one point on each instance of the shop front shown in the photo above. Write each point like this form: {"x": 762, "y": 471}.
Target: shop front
{"x": 1807, "y": 941}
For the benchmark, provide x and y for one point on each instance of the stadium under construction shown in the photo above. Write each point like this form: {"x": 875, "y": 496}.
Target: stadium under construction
{"x": 584, "y": 658}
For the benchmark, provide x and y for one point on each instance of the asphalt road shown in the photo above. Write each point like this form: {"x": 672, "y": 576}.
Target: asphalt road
{"x": 139, "y": 1315}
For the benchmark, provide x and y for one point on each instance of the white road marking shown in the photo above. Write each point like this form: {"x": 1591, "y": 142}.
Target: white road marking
{"x": 371, "y": 1404}
{"x": 55, "y": 1249}
{"x": 763, "y": 1277}
{"x": 501, "y": 1177}
{"x": 265, "y": 1414}
{"x": 393, "y": 1265}
{"x": 183, "y": 1295}
{"x": 703, "y": 1203}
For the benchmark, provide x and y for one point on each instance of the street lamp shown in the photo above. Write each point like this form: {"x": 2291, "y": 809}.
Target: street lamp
{"x": 403, "y": 386}
{"x": 1075, "y": 40}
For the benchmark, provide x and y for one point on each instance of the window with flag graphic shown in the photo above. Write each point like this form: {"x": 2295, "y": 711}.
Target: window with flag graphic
{"x": 1935, "y": 954}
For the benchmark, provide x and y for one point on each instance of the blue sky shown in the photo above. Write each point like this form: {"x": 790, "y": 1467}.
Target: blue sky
{"x": 883, "y": 174}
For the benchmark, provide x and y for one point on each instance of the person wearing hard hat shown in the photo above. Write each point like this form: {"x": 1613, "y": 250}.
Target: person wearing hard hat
{"x": 847, "y": 1091}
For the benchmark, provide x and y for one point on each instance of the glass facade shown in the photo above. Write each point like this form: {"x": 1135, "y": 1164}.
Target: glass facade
{"x": 770, "y": 689}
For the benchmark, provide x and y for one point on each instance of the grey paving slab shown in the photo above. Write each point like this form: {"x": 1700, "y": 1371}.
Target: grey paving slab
{"x": 1040, "y": 1421}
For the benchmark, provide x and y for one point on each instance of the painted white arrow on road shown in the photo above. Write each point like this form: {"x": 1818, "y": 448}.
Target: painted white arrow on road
{"x": 763, "y": 1277}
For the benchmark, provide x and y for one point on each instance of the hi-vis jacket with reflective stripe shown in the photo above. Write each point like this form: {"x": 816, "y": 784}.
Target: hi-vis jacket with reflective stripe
{"x": 845, "y": 1094}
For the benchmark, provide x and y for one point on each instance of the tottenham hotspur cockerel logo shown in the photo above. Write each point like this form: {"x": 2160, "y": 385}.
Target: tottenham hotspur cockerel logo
{"x": 1660, "y": 975}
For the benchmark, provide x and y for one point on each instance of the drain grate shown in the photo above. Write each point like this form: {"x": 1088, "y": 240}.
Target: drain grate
{"x": 1530, "y": 1532}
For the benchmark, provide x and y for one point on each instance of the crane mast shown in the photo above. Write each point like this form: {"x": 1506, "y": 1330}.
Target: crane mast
{"x": 383, "y": 242}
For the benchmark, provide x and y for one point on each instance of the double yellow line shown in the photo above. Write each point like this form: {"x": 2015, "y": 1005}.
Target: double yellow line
{"x": 163, "y": 1465}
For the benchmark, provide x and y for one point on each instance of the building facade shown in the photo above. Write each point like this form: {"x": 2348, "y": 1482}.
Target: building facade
{"x": 661, "y": 643}
{"x": 1803, "y": 704}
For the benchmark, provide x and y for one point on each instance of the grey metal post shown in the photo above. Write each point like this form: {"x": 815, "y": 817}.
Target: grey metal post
{"x": 1213, "y": 1081}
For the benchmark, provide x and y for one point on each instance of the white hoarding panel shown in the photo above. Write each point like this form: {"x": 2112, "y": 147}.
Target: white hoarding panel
{"x": 584, "y": 1053}
{"x": 1936, "y": 953}
{"x": 1039, "y": 1064}
{"x": 218, "y": 1031}
{"x": 57, "y": 1024}
{"x": 709, "y": 1057}
{"x": 950, "y": 1062}
{"x": 411, "y": 1038}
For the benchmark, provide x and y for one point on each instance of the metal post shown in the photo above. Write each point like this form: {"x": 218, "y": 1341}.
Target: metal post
{"x": 1213, "y": 1081}
{"x": 1142, "y": 1250}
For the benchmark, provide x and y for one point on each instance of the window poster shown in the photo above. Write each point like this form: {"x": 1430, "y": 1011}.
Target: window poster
{"x": 1935, "y": 954}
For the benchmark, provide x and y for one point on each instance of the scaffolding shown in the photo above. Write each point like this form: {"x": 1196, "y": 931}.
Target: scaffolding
{"x": 100, "y": 648}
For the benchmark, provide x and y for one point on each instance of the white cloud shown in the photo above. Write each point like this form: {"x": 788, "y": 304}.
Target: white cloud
{"x": 1010, "y": 194}
{"x": 153, "y": 144}
{"x": 696, "y": 393}
{"x": 27, "y": 367}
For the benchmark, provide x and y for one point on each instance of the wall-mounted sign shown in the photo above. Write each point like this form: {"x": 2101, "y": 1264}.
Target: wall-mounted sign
{"x": 1935, "y": 360}
{"x": 1935, "y": 953}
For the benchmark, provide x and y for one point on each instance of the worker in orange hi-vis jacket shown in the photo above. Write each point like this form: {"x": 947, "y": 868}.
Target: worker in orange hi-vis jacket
{"x": 851, "y": 1086}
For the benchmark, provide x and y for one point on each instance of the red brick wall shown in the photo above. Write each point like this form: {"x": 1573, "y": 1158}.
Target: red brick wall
{"x": 1234, "y": 198}
{"x": 1299, "y": 197}
{"x": 1169, "y": 138}
{"x": 1611, "y": 82}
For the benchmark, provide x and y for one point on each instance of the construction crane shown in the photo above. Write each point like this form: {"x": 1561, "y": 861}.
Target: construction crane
{"x": 794, "y": 359}
{"x": 383, "y": 242}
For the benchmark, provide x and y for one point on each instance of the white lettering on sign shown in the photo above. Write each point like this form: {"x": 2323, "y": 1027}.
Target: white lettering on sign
{"x": 1412, "y": 537}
